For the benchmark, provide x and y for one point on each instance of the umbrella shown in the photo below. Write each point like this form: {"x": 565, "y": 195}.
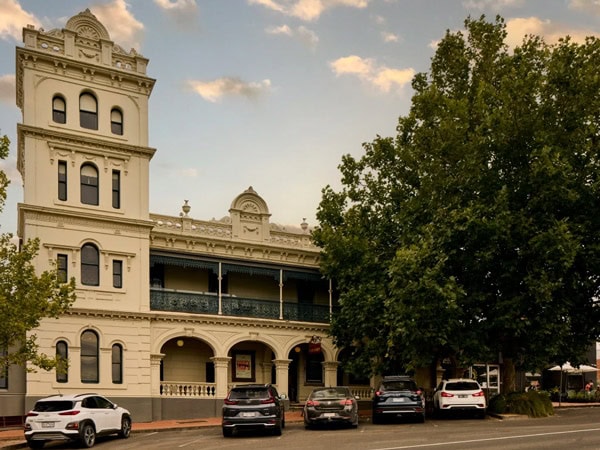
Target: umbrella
{"x": 570, "y": 370}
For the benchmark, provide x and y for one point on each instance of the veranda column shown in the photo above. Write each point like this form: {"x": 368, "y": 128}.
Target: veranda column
{"x": 330, "y": 372}
{"x": 281, "y": 371}
{"x": 155, "y": 385}
{"x": 221, "y": 371}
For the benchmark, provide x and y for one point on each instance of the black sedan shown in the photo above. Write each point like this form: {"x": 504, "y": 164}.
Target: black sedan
{"x": 331, "y": 405}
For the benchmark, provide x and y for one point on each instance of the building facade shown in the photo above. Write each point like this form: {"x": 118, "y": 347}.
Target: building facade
{"x": 170, "y": 310}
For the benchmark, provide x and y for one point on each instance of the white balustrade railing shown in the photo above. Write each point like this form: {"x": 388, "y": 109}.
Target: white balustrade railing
{"x": 187, "y": 389}
{"x": 362, "y": 392}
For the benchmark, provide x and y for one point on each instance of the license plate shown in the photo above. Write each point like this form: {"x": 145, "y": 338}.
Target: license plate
{"x": 47, "y": 424}
{"x": 462, "y": 396}
{"x": 248, "y": 414}
{"x": 328, "y": 414}
{"x": 398, "y": 400}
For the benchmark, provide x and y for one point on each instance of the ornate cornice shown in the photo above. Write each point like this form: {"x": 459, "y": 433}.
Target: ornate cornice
{"x": 201, "y": 319}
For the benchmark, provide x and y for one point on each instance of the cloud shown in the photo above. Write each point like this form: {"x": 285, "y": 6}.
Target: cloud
{"x": 184, "y": 12}
{"x": 307, "y": 9}
{"x": 124, "y": 29}
{"x": 494, "y": 5}
{"x": 213, "y": 91}
{"x": 587, "y": 6}
{"x": 389, "y": 37}
{"x": 7, "y": 88}
{"x": 13, "y": 19}
{"x": 189, "y": 172}
{"x": 381, "y": 77}
{"x": 517, "y": 28}
{"x": 302, "y": 33}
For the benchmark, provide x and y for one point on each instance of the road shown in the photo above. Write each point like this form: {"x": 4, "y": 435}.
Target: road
{"x": 577, "y": 428}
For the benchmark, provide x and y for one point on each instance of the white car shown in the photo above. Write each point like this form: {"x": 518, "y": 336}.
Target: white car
{"x": 459, "y": 394}
{"x": 79, "y": 417}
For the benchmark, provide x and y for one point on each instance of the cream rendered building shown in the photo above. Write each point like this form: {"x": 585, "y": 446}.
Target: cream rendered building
{"x": 170, "y": 311}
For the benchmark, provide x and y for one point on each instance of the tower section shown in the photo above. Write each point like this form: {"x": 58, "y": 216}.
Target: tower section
{"x": 84, "y": 159}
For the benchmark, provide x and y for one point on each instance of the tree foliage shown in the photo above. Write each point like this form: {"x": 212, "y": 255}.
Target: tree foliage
{"x": 475, "y": 232}
{"x": 26, "y": 297}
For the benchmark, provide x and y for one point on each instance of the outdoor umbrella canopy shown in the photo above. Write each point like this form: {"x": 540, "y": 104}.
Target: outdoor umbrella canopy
{"x": 570, "y": 370}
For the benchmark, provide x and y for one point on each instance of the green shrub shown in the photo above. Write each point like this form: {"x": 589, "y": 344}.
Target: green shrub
{"x": 532, "y": 404}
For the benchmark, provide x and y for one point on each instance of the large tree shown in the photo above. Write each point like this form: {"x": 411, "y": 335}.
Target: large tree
{"x": 26, "y": 297}
{"x": 474, "y": 234}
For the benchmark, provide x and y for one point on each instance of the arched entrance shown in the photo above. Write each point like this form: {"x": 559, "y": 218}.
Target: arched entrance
{"x": 305, "y": 372}
{"x": 187, "y": 368}
{"x": 251, "y": 362}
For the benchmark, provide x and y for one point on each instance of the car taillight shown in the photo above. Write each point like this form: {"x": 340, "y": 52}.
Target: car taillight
{"x": 446, "y": 394}
{"x": 419, "y": 392}
{"x": 378, "y": 393}
{"x": 268, "y": 400}
{"x": 230, "y": 402}
{"x": 312, "y": 403}
{"x": 32, "y": 414}
{"x": 346, "y": 402}
{"x": 478, "y": 394}
{"x": 69, "y": 413}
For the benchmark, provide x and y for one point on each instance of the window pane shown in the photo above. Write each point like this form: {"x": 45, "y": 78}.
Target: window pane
{"x": 62, "y": 180}
{"x": 88, "y": 112}
{"x": 89, "y": 185}
{"x": 118, "y": 274}
{"x": 62, "y": 370}
{"x": 90, "y": 274}
{"x": 116, "y": 122}
{"x": 59, "y": 114}
{"x": 62, "y": 268}
{"x": 117, "y": 364}
{"x": 116, "y": 189}
{"x": 89, "y": 357}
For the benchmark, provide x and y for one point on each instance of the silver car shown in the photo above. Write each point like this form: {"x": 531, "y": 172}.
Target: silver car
{"x": 331, "y": 405}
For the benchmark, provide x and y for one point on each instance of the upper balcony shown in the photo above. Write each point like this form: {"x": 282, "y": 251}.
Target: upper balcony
{"x": 230, "y": 305}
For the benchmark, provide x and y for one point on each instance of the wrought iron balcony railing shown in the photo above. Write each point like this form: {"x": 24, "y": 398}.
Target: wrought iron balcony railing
{"x": 203, "y": 303}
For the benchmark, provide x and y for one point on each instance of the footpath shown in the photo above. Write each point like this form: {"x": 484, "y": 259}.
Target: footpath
{"x": 13, "y": 438}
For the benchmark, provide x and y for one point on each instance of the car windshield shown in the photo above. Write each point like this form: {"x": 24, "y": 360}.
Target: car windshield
{"x": 330, "y": 393}
{"x": 462, "y": 386}
{"x": 399, "y": 385}
{"x": 237, "y": 394}
{"x": 52, "y": 406}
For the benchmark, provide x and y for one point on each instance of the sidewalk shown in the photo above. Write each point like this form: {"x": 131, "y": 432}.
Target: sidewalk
{"x": 13, "y": 438}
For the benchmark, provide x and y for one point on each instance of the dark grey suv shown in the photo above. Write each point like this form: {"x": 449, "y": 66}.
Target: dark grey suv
{"x": 398, "y": 396}
{"x": 253, "y": 406}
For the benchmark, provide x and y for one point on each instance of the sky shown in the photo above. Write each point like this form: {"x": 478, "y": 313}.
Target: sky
{"x": 269, "y": 93}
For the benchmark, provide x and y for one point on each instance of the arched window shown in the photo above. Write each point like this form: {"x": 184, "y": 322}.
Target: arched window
{"x": 62, "y": 369}
{"x": 88, "y": 111}
{"x": 90, "y": 372}
{"x": 117, "y": 364}
{"x": 90, "y": 265}
{"x": 116, "y": 121}
{"x": 89, "y": 184}
{"x": 59, "y": 109}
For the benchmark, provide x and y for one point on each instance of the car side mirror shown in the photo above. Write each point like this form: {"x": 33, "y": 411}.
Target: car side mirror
{"x": 283, "y": 397}
{"x": 357, "y": 397}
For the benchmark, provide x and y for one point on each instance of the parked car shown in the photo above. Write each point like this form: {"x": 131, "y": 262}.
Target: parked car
{"x": 329, "y": 405}
{"x": 253, "y": 406}
{"x": 459, "y": 394}
{"x": 79, "y": 417}
{"x": 398, "y": 396}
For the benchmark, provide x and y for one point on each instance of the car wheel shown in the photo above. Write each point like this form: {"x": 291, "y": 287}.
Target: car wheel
{"x": 227, "y": 432}
{"x": 283, "y": 422}
{"x": 36, "y": 444}
{"x": 306, "y": 426}
{"x": 421, "y": 418}
{"x": 125, "y": 427}
{"x": 482, "y": 414}
{"x": 87, "y": 435}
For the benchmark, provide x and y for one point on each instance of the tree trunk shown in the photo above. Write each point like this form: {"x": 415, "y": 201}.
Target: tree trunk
{"x": 508, "y": 376}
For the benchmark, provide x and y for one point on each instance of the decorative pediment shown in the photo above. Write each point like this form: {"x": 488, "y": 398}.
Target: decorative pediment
{"x": 86, "y": 25}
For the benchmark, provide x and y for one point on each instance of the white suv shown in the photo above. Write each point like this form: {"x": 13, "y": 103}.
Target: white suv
{"x": 459, "y": 394}
{"x": 79, "y": 417}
